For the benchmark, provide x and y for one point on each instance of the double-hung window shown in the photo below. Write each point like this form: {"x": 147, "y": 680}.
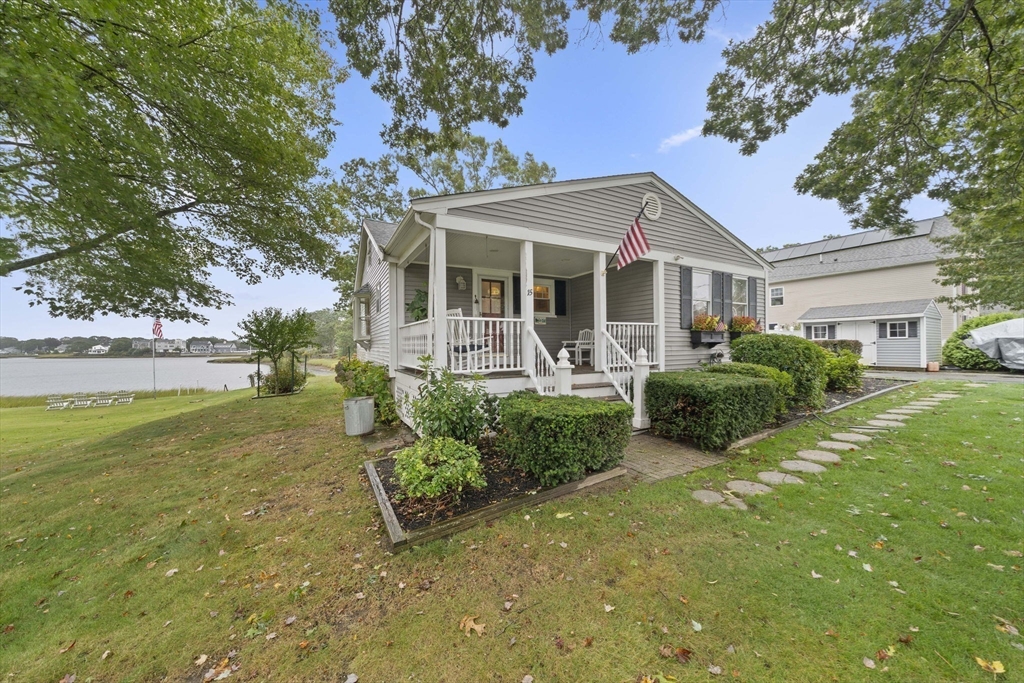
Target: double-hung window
{"x": 898, "y": 330}
{"x": 819, "y": 332}
{"x": 543, "y": 295}
{"x": 776, "y": 296}
{"x": 701, "y": 293}
{"x": 739, "y": 296}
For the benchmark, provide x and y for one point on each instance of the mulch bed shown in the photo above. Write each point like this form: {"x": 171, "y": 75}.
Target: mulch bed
{"x": 503, "y": 483}
{"x": 869, "y": 385}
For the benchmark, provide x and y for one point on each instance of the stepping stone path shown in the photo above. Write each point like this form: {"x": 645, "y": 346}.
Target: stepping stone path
{"x": 708, "y": 497}
{"x": 885, "y": 423}
{"x": 945, "y": 396}
{"x": 733, "y": 503}
{"x": 773, "y": 477}
{"x": 748, "y": 488}
{"x": 843, "y": 436}
{"x": 905, "y": 411}
{"x": 976, "y": 386}
{"x": 867, "y": 430}
{"x": 802, "y": 466}
{"x": 819, "y": 456}
{"x": 891, "y": 416}
{"x": 838, "y": 446}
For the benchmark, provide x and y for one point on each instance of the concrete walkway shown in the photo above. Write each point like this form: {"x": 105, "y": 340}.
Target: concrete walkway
{"x": 653, "y": 458}
{"x": 946, "y": 376}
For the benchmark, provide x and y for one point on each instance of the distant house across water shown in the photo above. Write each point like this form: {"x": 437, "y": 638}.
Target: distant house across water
{"x": 229, "y": 347}
{"x": 200, "y": 347}
{"x": 98, "y": 350}
{"x": 162, "y": 345}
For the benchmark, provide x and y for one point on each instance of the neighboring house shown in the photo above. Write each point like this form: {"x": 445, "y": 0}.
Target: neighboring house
{"x": 864, "y": 268}
{"x": 229, "y": 347}
{"x": 10, "y": 351}
{"x": 98, "y": 350}
{"x": 894, "y": 334}
{"x": 63, "y": 348}
{"x": 509, "y": 275}
{"x": 139, "y": 344}
{"x": 201, "y": 347}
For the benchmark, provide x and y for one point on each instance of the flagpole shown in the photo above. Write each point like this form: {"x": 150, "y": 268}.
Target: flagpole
{"x": 154, "y": 368}
{"x": 616, "y": 252}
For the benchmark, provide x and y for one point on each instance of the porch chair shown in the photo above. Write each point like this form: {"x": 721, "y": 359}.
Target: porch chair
{"x": 584, "y": 342}
{"x": 123, "y": 398}
{"x": 103, "y": 399}
{"x": 55, "y": 402}
{"x": 465, "y": 351}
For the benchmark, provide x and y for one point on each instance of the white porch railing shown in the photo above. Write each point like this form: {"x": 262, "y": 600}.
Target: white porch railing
{"x": 543, "y": 371}
{"x": 618, "y": 365}
{"x": 483, "y": 345}
{"x": 635, "y": 336}
{"x": 414, "y": 340}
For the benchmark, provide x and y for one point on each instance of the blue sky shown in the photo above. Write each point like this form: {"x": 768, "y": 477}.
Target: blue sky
{"x": 593, "y": 110}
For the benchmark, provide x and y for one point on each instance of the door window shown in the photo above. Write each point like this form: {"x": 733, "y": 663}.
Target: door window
{"x": 492, "y": 298}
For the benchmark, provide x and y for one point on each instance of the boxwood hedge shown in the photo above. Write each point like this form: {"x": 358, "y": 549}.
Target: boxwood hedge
{"x": 561, "y": 438}
{"x": 801, "y": 358}
{"x": 782, "y": 379}
{"x": 711, "y": 408}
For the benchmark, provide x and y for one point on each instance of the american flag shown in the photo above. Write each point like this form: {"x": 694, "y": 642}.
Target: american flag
{"x": 158, "y": 329}
{"x": 634, "y": 244}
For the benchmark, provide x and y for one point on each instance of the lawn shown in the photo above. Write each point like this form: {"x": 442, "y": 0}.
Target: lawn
{"x": 261, "y": 508}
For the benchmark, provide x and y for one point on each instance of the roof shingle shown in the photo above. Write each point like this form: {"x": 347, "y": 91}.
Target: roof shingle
{"x": 877, "y": 310}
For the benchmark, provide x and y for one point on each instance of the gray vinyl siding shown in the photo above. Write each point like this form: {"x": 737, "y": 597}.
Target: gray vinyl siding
{"x": 376, "y": 275}
{"x": 460, "y": 298}
{"x": 761, "y": 303}
{"x": 933, "y": 341}
{"x": 630, "y": 294}
{"x": 581, "y": 304}
{"x": 553, "y": 332}
{"x": 899, "y": 353}
{"x": 606, "y": 213}
{"x": 417, "y": 276}
{"x": 679, "y": 354}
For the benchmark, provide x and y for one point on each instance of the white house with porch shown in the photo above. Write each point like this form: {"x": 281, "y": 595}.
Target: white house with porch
{"x": 498, "y": 283}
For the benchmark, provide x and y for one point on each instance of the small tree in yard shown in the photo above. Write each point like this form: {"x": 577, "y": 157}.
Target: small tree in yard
{"x": 276, "y": 334}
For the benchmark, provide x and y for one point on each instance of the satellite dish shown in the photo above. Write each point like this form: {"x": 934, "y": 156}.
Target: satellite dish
{"x": 652, "y": 206}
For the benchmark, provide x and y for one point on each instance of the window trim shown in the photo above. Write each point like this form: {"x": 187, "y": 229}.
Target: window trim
{"x": 746, "y": 295}
{"x": 693, "y": 292}
{"x": 361, "y": 317}
{"x": 771, "y": 297}
{"x": 550, "y": 284}
{"x": 889, "y": 329}
{"x": 814, "y": 332}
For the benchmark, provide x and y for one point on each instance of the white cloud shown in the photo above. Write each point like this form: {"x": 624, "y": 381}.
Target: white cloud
{"x": 679, "y": 138}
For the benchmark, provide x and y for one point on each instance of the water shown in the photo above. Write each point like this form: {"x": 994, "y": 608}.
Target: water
{"x": 41, "y": 376}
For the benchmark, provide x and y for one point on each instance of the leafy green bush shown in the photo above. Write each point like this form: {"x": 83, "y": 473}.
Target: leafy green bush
{"x": 801, "y": 358}
{"x": 283, "y": 382}
{"x": 362, "y": 378}
{"x": 448, "y": 406}
{"x": 954, "y": 352}
{"x": 843, "y": 371}
{"x": 560, "y": 438}
{"x": 837, "y": 345}
{"x": 439, "y": 468}
{"x": 712, "y": 409}
{"x": 783, "y": 380}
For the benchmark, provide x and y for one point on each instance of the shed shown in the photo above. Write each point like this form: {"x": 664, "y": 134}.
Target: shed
{"x": 895, "y": 334}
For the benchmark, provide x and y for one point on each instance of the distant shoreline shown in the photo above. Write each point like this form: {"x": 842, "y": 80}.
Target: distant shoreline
{"x": 219, "y": 358}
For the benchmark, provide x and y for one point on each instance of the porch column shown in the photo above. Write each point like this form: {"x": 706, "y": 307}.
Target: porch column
{"x": 526, "y": 301}
{"x": 600, "y": 309}
{"x": 659, "y": 313}
{"x": 396, "y": 282}
{"x": 439, "y": 295}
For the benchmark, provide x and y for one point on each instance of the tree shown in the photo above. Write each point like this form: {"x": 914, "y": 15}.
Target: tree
{"x": 275, "y": 334}
{"x": 122, "y": 346}
{"x": 190, "y": 136}
{"x": 327, "y": 321}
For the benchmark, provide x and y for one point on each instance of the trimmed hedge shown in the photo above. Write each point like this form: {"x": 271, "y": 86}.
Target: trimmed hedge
{"x": 954, "y": 352}
{"x": 844, "y": 371}
{"x": 839, "y": 345}
{"x": 783, "y": 380}
{"x": 801, "y": 358}
{"x": 712, "y": 409}
{"x": 560, "y": 438}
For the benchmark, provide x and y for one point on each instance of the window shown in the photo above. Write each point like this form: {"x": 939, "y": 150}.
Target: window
{"x": 701, "y": 293}
{"x": 897, "y": 330}
{"x": 361, "y": 323}
{"x": 543, "y": 297}
{"x": 819, "y": 332}
{"x": 776, "y": 296}
{"x": 739, "y": 296}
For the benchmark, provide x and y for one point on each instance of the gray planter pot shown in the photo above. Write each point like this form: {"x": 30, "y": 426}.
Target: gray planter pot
{"x": 359, "y": 415}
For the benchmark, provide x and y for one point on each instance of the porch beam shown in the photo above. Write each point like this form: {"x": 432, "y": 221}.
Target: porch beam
{"x": 659, "y": 312}
{"x": 526, "y": 301}
{"x": 439, "y": 294}
{"x": 405, "y": 258}
{"x": 600, "y": 309}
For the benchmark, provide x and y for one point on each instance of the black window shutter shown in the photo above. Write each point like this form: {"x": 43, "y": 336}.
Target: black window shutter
{"x": 516, "y": 303}
{"x": 752, "y": 296}
{"x": 561, "y": 306}
{"x": 831, "y": 331}
{"x": 685, "y": 298}
{"x": 716, "y": 293}
{"x": 912, "y": 329}
{"x": 807, "y": 331}
{"x": 883, "y": 330}
{"x": 727, "y": 298}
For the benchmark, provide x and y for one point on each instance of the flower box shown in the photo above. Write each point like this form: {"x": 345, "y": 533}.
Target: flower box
{"x": 709, "y": 339}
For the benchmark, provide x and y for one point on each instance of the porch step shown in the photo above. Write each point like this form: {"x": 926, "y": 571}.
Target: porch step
{"x": 605, "y": 389}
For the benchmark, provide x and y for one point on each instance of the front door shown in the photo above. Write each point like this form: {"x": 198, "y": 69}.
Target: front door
{"x": 866, "y": 335}
{"x": 492, "y": 305}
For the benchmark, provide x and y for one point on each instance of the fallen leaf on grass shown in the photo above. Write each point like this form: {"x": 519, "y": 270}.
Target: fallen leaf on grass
{"x": 867, "y": 568}
{"x": 271, "y": 636}
{"x": 608, "y": 608}
{"x": 468, "y": 624}
{"x": 696, "y": 625}
{"x": 1013, "y": 553}
{"x": 65, "y": 649}
{"x": 681, "y": 654}
{"x": 105, "y": 654}
{"x": 289, "y": 621}
{"x": 907, "y": 639}
{"x": 527, "y": 678}
{"x": 995, "y": 667}
{"x": 815, "y": 575}
{"x": 588, "y": 641}
{"x": 68, "y": 678}
{"x": 832, "y": 633}
{"x": 562, "y": 515}
{"x": 150, "y": 565}
{"x": 683, "y": 599}
{"x": 303, "y": 644}
{"x": 715, "y": 670}
{"x": 869, "y": 663}
{"x": 997, "y": 567}
{"x": 171, "y": 572}
{"x": 885, "y": 654}
{"x": 200, "y": 660}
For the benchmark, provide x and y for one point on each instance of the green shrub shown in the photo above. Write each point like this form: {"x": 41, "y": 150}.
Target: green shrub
{"x": 362, "y": 378}
{"x": 837, "y": 345}
{"x": 802, "y": 359}
{"x": 283, "y": 382}
{"x": 560, "y": 438}
{"x": 447, "y": 406}
{"x": 712, "y": 409}
{"x": 783, "y": 380}
{"x": 955, "y": 352}
{"x": 843, "y": 371}
{"x": 439, "y": 468}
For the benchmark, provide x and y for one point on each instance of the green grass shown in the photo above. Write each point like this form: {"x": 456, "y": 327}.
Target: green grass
{"x": 40, "y": 401}
{"x": 97, "y": 497}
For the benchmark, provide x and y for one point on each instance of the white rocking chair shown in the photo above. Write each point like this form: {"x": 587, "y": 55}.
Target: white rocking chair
{"x": 584, "y": 342}
{"x": 465, "y": 352}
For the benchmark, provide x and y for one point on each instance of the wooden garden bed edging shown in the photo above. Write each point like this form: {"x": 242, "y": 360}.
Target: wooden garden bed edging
{"x": 398, "y": 539}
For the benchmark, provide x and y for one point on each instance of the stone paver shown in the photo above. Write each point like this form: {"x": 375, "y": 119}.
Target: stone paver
{"x": 905, "y": 411}
{"x": 891, "y": 416}
{"x": 924, "y": 406}
{"x": 708, "y": 497}
{"x": 654, "y": 458}
{"x": 838, "y": 446}
{"x": 748, "y": 488}
{"x": 885, "y": 423}
{"x": 734, "y": 503}
{"x": 819, "y": 456}
{"x": 975, "y": 385}
{"x": 801, "y": 466}
{"x": 946, "y": 395}
{"x": 845, "y": 436}
{"x": 773, "y": 477}
{"x": 868, "y": 430}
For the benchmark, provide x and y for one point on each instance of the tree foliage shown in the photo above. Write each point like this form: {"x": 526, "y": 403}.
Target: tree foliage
{"x": 144, "y": 143}
{"x": 274, "y": 333}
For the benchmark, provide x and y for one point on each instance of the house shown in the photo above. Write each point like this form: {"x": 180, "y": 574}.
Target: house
{"x": 869, "y": 267}
{"x": 229, "y": 347}
{"x": 63, "y": 348}
{"x": 201, "y": 347}
{"x": 98, "y": 350}
{"x": 10, "y": 351}
{"x": 139, "y": 344}
{"x": 894, "y": 334}
{"x": 496, "y": 282}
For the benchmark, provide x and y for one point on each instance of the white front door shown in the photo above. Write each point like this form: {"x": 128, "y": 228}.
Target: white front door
{"x": 867, "y": 335}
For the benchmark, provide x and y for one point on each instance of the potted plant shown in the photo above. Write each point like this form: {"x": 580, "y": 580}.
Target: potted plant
{"x": 707, "y": 330}
{"x": 743, "y": 324}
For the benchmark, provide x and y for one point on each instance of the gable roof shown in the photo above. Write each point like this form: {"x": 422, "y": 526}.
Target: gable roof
{"x": 885, "y": 309}
{"x": 868, "y": 250}
{"x": 380, "y": 231}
